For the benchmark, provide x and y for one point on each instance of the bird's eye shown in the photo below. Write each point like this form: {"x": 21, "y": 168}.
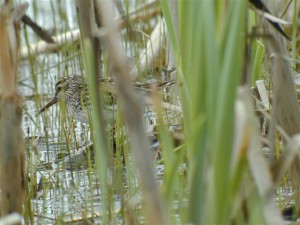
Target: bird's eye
{"x": 58, "y": 89}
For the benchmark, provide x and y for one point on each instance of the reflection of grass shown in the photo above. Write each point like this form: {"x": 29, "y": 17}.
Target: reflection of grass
{"x": 58, "y": 130}
{"x": 61, "y": 132}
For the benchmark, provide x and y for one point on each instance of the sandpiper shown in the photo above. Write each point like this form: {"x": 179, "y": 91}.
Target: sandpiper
{"x": 73, "y": 92}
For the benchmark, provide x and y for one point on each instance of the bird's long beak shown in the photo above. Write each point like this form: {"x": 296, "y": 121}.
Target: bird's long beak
{"x": 49, "y": 104}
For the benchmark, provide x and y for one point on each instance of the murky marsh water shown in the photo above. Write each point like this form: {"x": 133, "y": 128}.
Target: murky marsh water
{"x": 65, "y": 193}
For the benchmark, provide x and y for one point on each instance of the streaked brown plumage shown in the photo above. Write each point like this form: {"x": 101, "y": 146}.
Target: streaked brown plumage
{"x": 73, "y": 91}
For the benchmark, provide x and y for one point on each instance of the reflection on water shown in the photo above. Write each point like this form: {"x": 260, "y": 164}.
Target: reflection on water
{"x": 63, "y": 191}
{"x": 75, "y": 194}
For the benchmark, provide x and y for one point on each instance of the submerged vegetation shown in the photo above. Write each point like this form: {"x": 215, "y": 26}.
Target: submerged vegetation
{"x": 203, "y": 112}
